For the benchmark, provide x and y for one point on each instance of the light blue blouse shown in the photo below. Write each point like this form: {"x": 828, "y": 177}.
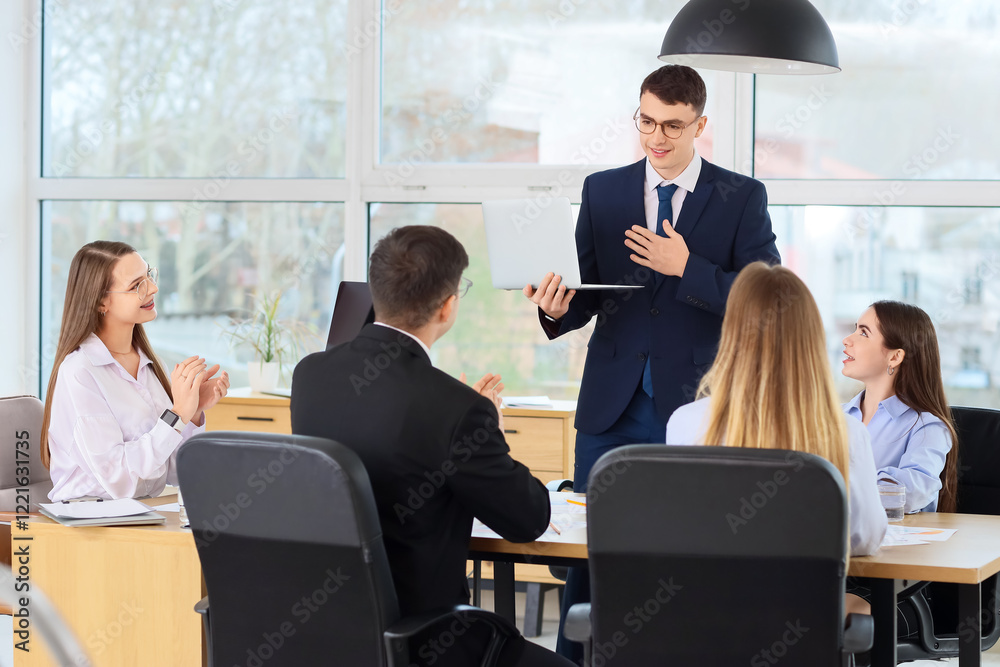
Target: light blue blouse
{"x": 688, "y": 424}
{"x": 910, "y": 448}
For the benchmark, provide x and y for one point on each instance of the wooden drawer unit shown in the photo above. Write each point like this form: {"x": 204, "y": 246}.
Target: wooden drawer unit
{"x": 541, "y": 438}
{"x": 243, "y": 410}
{"x": 537, "y": 442}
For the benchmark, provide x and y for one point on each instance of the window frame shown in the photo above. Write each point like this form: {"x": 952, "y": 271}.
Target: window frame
{"x": 365, "y": 180}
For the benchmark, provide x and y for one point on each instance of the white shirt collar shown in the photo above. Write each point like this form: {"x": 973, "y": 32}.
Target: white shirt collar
{"x": 99, "y": 355}
{"x": 420, "y": 342}
{"x": 687, "y": 179}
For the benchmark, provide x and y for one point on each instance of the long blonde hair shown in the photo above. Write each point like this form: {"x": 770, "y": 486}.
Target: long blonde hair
{"x": 771, "y": 384}
{"x": 91, "y": 274}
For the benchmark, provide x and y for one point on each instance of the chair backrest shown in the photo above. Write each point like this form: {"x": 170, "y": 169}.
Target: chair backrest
{"x": 978, "y": 459}
{"x": 290, "y": 547}
{"x": 716, "y": 555}
{"x": 20, "y": 454}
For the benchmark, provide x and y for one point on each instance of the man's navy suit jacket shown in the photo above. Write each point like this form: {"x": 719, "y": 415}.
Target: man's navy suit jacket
{"x": 675, "y": 320}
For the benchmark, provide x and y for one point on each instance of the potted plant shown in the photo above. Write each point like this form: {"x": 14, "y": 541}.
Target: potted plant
{"x": 272, "y": 340}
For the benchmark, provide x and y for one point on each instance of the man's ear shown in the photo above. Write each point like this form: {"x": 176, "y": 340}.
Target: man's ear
{"x": 444, "y": 312}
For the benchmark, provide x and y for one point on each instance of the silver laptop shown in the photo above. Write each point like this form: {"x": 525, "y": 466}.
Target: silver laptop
{"x": 526, "y": 240}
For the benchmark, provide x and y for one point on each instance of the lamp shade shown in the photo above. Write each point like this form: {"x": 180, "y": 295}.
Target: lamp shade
{"x": 756, "y": 36}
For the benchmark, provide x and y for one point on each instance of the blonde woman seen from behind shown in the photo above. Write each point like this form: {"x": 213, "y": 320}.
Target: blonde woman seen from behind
{"x": 113, "y": 419}
{"x": 771, "y": 387}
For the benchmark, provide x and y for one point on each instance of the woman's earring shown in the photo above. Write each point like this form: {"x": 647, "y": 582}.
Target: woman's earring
{"x": 104, "y": 312}
{"x": 891, "y": 370}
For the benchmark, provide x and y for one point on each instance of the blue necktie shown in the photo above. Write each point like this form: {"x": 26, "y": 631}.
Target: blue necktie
{"x": 664, "y": 211}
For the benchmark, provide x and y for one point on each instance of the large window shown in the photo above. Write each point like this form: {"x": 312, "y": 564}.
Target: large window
{"x": 246, "y": 146}
{"x": 214, "y": 261}
{"x": 497, "y": 331}
{"x": 853, "y": 256}
{"x": 520, "y": 81}
{"x": 195, "y": 89}
{"x": 916, "y": 98}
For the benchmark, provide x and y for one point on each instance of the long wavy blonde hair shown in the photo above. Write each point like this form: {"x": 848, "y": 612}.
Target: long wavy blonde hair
{"x": 771, "y": 384}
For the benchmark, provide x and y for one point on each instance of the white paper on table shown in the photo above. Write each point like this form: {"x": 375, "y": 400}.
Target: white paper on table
{"x": 561, "y": 503}
{"x": 927, "y": 534}
{"x": 527, "y": 401}
{"x": 169, "y": 507}
{"x": 571, "y": 529}
{"x": 97, "y": 509}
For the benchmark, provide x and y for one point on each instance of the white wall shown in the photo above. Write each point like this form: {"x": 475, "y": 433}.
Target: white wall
{"x": 18, "y": 288}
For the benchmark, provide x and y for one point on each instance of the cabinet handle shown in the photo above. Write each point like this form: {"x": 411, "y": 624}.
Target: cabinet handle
{"x": 256, "y": 419}
{"x": 510, "y": 430}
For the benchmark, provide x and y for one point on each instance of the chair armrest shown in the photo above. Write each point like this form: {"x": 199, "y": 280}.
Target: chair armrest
{"x": 859, "y": 631}
{"x": 577, "y": 627}
{"x": 202, "y": 606}
{"x": 560, "y": 485}
{"x": 206, "y": 624}
{"x": 397, "y": 635}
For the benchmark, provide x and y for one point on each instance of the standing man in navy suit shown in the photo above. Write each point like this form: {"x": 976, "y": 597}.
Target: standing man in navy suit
{"x": 681, "y": 227}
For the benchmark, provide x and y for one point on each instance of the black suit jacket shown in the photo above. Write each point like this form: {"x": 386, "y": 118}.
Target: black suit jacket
{"x": 434, "y": 453}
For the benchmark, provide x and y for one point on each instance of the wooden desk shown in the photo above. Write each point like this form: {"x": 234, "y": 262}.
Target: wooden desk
{"x": 127, "y": 592}
{"x": 968, "y": 558}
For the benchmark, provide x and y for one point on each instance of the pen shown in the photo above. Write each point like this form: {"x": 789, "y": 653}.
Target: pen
{"x": 577, "y": 502}
{"x": 553, "y": 527}
{"x": 82, "y": 500}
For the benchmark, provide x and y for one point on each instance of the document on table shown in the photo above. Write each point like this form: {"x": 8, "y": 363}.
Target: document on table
{"x": 569, "y": 518}
{"x": 527, "y": 402}
{"x": 97, "y": 509}
{"x": 897, "y": 536}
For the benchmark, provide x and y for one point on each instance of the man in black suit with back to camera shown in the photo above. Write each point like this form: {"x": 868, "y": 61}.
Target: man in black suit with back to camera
{"x": 433, "y": 447}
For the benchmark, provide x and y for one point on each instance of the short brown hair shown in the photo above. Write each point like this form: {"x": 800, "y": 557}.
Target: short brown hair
{"x": 677, "y": 84}
{"x": 411, "y": 271}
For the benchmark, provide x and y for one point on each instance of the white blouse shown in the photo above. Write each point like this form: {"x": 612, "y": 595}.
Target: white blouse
{"x": 105, "y": 433}
{"x": 868, "y": 522}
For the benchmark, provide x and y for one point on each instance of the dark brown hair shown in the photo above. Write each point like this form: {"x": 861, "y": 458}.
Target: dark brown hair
{"x": 411, "y": 271}
{"x": 918, "y": 381}
{"x": 91, "y": 274}
{"x": 677, "y": 84}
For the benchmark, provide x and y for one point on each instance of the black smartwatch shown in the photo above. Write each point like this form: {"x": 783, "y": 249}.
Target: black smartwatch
{"x": 172, "y": 419}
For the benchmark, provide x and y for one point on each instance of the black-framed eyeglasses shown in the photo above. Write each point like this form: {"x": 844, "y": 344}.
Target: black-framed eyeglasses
{"x": 142, "y": 289}
{"x": 671, "y": 129}
{"x": 463, "y": 287}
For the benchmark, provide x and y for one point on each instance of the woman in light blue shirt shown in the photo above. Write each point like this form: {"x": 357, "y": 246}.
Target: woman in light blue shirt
{"x": 894, "y": 351}
{"x": 771, "y": 386}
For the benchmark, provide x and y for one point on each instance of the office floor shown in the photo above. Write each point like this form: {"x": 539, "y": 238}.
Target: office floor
{"x": 550, "y": 627}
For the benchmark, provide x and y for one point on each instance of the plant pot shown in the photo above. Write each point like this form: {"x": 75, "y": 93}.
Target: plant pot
{"x": 264, "y": 375}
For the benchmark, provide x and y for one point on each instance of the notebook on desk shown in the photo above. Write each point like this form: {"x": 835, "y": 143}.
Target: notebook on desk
{"x": 124, "y": 512}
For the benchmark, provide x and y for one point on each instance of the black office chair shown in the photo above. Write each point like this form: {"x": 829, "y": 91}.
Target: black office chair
{"x": 291, "y": 550}
{"x": 934, "y": 607}
{"x": 716, "y": 556}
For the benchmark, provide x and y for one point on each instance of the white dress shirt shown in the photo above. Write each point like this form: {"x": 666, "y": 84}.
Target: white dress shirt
{"x": 685, "y": 181}
{"x": 689, "y": 423}
{"x": 105, "y": 433}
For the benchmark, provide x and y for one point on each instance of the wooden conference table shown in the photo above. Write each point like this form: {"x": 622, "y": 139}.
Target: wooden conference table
{"x": 127, "y": 592}
{"x": 968, "y": 558}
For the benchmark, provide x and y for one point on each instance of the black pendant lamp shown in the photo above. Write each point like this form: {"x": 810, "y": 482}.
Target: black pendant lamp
{"x": 756, "y": 36}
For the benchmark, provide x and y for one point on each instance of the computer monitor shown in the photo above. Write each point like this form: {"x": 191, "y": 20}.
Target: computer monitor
{"x": 351, "y": 312}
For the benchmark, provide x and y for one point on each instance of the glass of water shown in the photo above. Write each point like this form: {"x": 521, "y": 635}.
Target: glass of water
{"x": 893, "y": 500}
{"x": 183, "y": 515}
